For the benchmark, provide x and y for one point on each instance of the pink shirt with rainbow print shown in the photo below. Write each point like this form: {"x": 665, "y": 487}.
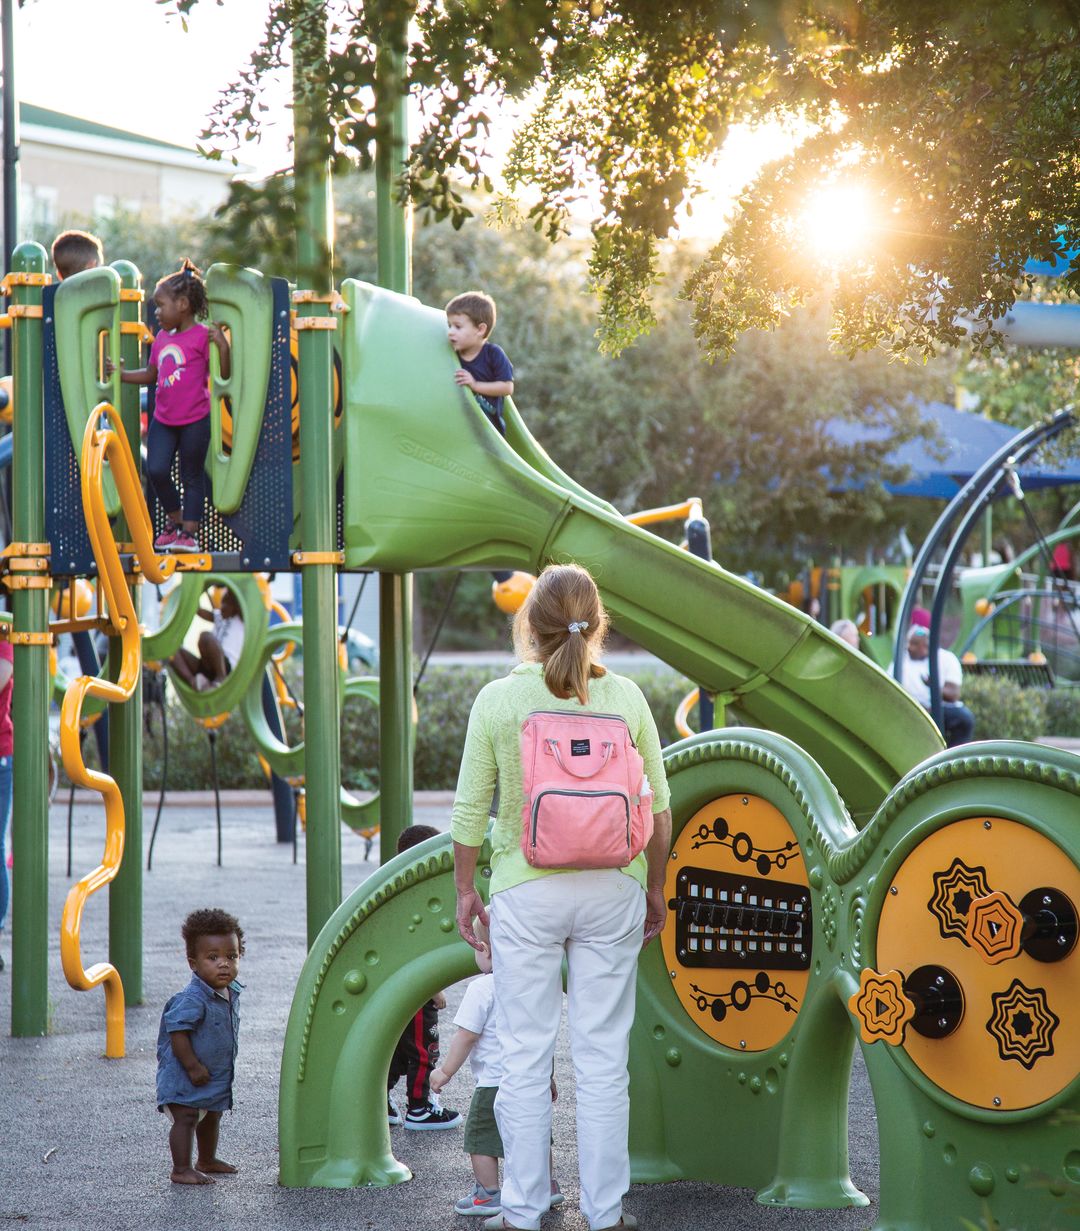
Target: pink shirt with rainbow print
{"x": 183, "y": 367}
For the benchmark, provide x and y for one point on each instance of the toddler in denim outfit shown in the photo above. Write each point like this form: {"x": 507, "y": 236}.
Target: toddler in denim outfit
{"x": 197, "y": 1045}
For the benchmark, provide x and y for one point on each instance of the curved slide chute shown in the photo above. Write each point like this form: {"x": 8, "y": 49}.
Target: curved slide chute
{"x": 431, "y": 485}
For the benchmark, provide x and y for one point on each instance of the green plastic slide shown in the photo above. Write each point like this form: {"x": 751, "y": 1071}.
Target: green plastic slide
{"x": 430, "y": 484}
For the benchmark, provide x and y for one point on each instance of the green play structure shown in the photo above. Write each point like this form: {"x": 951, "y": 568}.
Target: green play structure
{"x": 834, "y": 875}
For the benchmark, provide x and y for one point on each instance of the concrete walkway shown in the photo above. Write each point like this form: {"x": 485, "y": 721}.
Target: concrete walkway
{"x": 84, "y": 1147}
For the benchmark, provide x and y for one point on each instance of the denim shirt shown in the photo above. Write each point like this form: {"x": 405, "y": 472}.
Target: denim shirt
{"x": 214, "y": 1025}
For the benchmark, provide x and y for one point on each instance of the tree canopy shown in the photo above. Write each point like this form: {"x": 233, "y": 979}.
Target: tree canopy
{"x": 959, "y": 120}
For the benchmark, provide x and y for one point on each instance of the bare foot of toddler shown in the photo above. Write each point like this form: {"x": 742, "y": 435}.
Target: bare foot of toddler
{"x": 187, "y": 1175}
{"x": 215, "y": 1166}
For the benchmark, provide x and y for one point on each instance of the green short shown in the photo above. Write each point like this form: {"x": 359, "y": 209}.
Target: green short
{"x": 481, "y": 1131}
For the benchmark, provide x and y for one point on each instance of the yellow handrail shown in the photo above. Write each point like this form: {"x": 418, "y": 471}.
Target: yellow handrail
{"x": 682, "y": 714}
{"x": 688, "y": 510}
{"x": 98, "y": 445}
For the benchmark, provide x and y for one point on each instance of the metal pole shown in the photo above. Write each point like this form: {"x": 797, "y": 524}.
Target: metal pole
{"x": 125, "y": 720}
{"x": 395, "y": 589}
{"x": 318, "y": 514}
{"x": 30, "y": 699}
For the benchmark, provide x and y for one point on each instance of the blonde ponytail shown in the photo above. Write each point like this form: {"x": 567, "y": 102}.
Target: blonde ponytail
{"x": 562, "y": 625}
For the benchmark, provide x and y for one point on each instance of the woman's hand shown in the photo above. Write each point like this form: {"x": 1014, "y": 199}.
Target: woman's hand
{"x": 470, "y": 906}
{"x": 655, "y": 914}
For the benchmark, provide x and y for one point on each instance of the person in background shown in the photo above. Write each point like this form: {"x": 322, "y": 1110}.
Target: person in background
{"x": 197, "y": 1045}
{"x": 959, "y": 721}
{"x": 596, "y": 920}
{"x": 485, "y": 369}
{"x": 477, "y": 1040}
{"x": 74, "y": 251}
{"x": 417, "y": 1051}
{"x": 219, "y": 649}
{"x": 179, "y": 367}
{"x": 846, "y": 630}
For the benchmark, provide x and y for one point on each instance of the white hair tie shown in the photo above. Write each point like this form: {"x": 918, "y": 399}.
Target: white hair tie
{"x": 578, "y": 626}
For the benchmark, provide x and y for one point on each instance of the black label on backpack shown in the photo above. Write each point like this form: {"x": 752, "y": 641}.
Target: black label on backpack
{"x": 579, "y": 748}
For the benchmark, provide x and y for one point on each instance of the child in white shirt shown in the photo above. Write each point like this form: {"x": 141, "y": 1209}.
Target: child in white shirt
{"x": 477, "y": 1040}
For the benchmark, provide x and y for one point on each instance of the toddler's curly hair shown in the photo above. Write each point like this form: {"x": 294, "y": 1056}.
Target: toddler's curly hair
{"x": 210, "y": 921}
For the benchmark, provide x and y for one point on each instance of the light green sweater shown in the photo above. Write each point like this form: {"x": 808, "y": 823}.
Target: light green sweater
{"x": 493, "y": 749}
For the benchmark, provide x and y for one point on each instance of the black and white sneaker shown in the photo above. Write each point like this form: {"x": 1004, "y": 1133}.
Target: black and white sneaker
{"x": 431, "y": 1116}
{"x": 393, "y": 1115}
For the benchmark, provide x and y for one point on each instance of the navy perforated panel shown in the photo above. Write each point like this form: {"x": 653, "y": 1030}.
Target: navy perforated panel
{"x": 65, "y": 525}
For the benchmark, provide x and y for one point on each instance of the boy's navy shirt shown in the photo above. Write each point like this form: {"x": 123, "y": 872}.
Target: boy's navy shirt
{"x": 489, "y": 365}
{"x": 214, "y": 1025}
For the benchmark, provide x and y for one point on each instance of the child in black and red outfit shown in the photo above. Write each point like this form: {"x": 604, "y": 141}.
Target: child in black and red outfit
{"x": 417, "y": 1051}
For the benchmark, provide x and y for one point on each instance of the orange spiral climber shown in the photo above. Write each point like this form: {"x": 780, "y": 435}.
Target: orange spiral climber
{"x": 101, "y": 444}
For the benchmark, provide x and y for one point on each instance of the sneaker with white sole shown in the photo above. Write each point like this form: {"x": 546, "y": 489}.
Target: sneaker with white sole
{"x": 393, "y": 1115}
{"x": 167, "y": 538}
{"x": 557, "y": 1197}
{"x": 185, "y": 542}
{"x": 431, "y": 1116}
{"x": 478, "y": 1202}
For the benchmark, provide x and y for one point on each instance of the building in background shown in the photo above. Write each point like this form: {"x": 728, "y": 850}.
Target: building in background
{"x": 74, "y": 169}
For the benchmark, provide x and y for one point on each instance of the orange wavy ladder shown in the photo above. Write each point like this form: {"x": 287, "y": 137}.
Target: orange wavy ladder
{"x": 101, "y": 444}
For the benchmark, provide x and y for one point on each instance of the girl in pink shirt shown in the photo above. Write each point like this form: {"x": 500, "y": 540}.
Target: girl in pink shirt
{"x": 180, "y": 367}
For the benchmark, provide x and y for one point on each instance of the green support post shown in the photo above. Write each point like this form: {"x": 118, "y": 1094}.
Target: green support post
{"x": 125, "y": 721}
{"x": 30, "y": 699}
{"x": 318, "y": 512}
{"x": 395, "y": 589}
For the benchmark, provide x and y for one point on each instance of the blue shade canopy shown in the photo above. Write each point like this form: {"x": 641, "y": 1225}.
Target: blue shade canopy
{"x": 939, "y": 466}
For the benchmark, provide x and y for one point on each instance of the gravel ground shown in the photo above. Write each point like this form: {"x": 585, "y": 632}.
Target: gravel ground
{"x": 84, "y": 1147}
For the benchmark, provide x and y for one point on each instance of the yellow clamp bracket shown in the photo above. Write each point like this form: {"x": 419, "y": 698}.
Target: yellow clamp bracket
{"x": 129, "y": 294}
{"x": 12, "y": 280}
{"x": 27, "y": 581}
{"x": 143, "y": 332}
{"x": 24, "y": 309}
{"x": 197, "y": 562}
{"x": 18, "y": 638}
{"x": 27, "y": 549}
{"x": 318, "y": 557}
{"x": 28, "y": 564}
{"x": 302, "y": 323}
{"x": 333, "y": 298}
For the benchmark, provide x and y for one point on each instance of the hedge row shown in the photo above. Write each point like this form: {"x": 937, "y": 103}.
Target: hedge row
{"x": 444, "y": 699}
{"x": 1002, "y": 709}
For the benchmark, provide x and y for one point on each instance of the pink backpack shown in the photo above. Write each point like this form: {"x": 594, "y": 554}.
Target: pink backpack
{"x": 587, "y": 800}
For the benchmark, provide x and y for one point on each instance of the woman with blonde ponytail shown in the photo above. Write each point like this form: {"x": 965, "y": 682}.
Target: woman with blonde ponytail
{"x": 597, "y": 920}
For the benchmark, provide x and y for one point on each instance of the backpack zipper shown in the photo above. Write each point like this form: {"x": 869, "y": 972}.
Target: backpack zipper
{"x": 583, "y": 714}
{"x": 535, "y": 819}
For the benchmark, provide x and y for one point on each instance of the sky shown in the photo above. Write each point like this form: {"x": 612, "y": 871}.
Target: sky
{"x": 129, "y": 64}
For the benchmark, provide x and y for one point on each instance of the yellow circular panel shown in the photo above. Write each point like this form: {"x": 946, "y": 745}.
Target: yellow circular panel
{"x": 1015, "y": 1045}
{"x": 738, "y": 935}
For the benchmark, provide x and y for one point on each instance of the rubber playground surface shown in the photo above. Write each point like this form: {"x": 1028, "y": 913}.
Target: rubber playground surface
{"x": 85, "y": 1148}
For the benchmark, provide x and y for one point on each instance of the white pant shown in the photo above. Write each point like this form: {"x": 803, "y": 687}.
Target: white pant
{"x": 596, "y": 920}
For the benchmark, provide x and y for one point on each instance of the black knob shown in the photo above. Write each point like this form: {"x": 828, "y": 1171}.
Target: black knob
{"x": 1049, "y": 933}
{"x": 938, "y": 1000}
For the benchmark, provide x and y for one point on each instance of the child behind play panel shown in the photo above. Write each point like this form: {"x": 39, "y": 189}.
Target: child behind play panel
{"x": 417, "y": 1050}
{"x": 485, "y": 369}
{"x": 219, "y": 650}
{"x": 477, "y": 1040}
{"x": 74, "y": 251}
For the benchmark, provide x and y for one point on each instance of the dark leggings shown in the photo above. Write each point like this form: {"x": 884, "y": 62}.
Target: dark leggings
{"x": 192, "y": 441}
